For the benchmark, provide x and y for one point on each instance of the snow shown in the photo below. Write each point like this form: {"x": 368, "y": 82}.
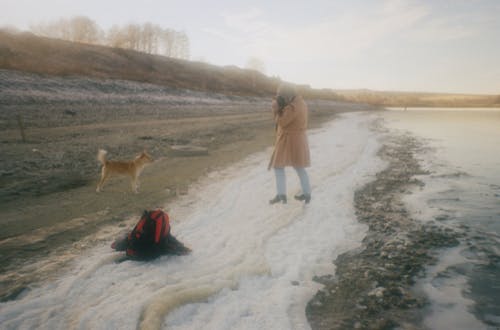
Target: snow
{"x": 252, "y": 263}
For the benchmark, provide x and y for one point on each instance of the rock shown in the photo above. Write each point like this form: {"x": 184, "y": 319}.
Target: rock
{"x": 377, "y": 292}
{"x": 317, "y": 303}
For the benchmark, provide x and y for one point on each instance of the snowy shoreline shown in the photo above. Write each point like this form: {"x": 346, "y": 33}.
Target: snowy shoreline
{"x": 374, "y": 286}
{"x": 252, "y": 264}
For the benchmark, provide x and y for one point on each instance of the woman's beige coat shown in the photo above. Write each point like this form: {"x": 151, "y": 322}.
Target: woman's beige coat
{"x": 291, "y": 147}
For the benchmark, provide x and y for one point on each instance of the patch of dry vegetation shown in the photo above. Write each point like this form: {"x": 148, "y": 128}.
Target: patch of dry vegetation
{"x": 408, "y": 99}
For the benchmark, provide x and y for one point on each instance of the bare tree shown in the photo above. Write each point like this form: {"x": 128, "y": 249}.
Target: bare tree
{"x": 175, "y": 44}
{"x": 83, "y": 29}
{"x": 57, "y": 29}
{"x": 9, "y": 29}
{"x": 182, "y": 48}
{"x": 147, "y": 37}
{"x": 168, "y": 41}
{"x": 77, "y": 29}
{"x": 116, "y": 37}
{"x": 133, "y": 36}
{"x": 255, "y": 63}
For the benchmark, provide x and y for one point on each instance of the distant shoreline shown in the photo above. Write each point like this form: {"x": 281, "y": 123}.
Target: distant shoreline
{"x": 434, "y": 108}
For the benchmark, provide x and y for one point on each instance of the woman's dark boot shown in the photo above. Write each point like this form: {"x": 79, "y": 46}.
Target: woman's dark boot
{"x": 303, "y": 197}
{"x": 277, "y": 199}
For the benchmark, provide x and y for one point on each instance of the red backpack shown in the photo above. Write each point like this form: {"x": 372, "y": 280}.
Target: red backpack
{"x": 146, "y": 239}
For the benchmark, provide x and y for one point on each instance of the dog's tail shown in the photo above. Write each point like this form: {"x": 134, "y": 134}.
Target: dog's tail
{"x": 101, "y": 156}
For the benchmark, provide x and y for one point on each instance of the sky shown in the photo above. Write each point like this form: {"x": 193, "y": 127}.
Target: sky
{"x": 447, "y": 46}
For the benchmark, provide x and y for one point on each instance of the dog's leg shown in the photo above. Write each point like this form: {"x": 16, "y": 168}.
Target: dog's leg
{"x": 135, "y": 185}
{"x": 104, "y": 177}
{"x": 101, "y": 180}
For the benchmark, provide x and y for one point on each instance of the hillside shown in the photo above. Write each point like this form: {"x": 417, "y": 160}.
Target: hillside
{"x": 27, "y": 52}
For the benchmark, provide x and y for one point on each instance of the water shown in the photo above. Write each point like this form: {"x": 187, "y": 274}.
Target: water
{"x": 462, "y": 190}
{"x": 252, "y": 264}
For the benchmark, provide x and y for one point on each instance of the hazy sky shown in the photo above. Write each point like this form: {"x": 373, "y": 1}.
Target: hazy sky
{"x": 434, "y": 45}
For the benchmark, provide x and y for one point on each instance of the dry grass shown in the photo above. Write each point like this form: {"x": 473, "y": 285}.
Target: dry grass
{"x": 409, "y": 99}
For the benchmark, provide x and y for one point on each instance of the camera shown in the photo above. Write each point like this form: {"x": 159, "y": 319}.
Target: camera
{"x": 281, "y": 102}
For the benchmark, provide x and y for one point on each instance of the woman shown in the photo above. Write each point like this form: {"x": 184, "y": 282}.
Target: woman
{"x": 291, "y": 147}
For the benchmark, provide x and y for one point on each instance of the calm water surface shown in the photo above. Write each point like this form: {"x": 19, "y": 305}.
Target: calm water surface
{"x": 462, "y": 190}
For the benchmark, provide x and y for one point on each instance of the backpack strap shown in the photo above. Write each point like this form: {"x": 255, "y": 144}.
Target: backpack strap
{"x": 139, "y": 227}
{"x": 162, "y": 225}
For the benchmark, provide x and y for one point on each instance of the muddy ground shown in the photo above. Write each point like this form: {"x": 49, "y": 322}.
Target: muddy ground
{"x": 48, "y": 176}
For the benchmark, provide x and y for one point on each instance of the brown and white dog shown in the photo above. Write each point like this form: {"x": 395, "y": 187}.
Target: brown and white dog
{"x": 131, "y": 168}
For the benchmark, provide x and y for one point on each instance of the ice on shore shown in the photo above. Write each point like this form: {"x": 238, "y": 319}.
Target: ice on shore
{"x": 252, "y": 264}
{"x": 458, "y": 192}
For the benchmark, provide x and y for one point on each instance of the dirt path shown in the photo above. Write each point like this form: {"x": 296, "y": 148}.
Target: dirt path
{"x": 48, "y": 199}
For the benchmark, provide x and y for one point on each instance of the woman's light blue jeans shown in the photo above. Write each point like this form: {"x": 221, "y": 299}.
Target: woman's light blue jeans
{"x": 281, "y": 180}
